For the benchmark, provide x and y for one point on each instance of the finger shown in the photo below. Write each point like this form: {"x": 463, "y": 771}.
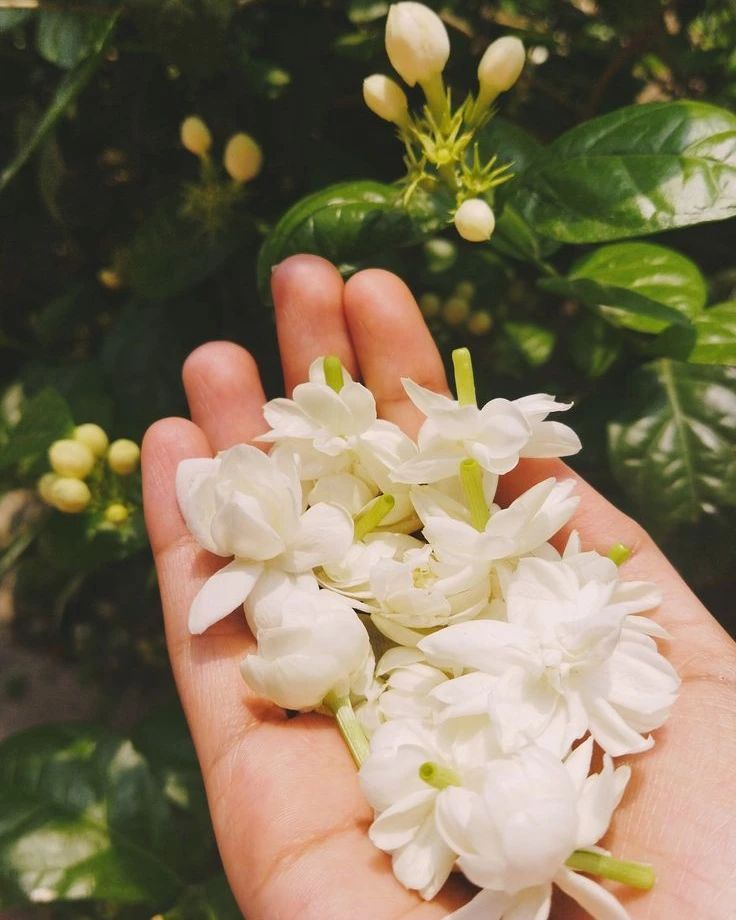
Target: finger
{"x": 392, "y": 341}
{"x": 224, "y": 393}
{"x": 310, "y": 322}
{"x": 285, "y": 801}
{"x": 697, "y": 635}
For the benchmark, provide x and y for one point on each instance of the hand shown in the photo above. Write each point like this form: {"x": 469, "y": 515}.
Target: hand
{"x": 284, "y": 797}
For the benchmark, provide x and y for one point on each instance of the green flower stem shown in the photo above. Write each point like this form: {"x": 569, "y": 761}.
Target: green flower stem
{"x": 434, "y": 774}
{"x": 464, "y": 379}
{"x": 633, "y": 874}
{"x": 471, "y": 479}
{"x": 372, "y": 515}
{"x": 447, "y": 172}
{"x": 619, "y": 553}
{"x": 350, "y": 729}
{"x": 333, "y": 373}
{"x": 434, "y": 91}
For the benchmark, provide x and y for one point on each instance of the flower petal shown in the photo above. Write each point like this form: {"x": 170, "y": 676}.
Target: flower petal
{"x": 195, "y": 493}
{"x": 324, "y": 535}
{"x": 222, "y": 593}
{"x": 600, "y": 903}
{"x": 486, "y": 905}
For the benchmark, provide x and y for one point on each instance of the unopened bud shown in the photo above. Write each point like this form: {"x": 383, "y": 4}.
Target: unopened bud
{"x": 430, "y": 304}
{"x": 109, "y": 279}
{"x": 243, "y": 158}
{"x": 480, "y": 322}
{"x": 500, "y": 67}
{"x": 70, "y": 495}
{"x": 417, "y": 42}
{"x": 44, "y": 486}
{"x": 474, "y": 220}
{"x": 465, "y": 289}
{"x": 93, "y": 437}
{"x": 455, "y": 311}
{"x": 116, "y": 513}
{"x": 123, "y": 457}
{"x": 195, "y": 136}
{"x": 385, "y": 98}
{"x": 71, "y": 458}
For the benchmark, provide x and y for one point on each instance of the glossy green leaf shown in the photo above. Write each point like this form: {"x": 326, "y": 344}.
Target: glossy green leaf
{"x": 348, "y": 223}
{"x": 66, "y": 38}
{"x": 656, "y": 272}
{"x": 83, "y": 817}
{"x": 535, "y": 342}
{"x": 711, "y": 340}
{"x": 596, "y": 295}
{"x": 70, "y": 87}
{"x": 673, "y": 447}
{"x": 632, "y": 172}
{"x": 594, "y": 346}
{"x": 45, "y": 418}
{"x": 10, "y": 19}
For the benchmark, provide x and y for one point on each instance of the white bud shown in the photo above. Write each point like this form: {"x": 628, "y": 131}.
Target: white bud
{"x": 195, "y": 136}
{"x": 94, "y": 437}
{"x": 123, "y": 457}
{"x": 385, "y": 98}
{"x": 500, "y": 66}
{"x": 243, "y": 158}
{"x": 71, "y": 458}
{"x": 417, "y": 42}
{"x": 70, "y": 495}
{"x": 474, "y": 220}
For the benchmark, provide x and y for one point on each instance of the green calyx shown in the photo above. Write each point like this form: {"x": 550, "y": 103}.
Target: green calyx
{"x": 619, "y": 553}
{"x": 464, "y": 379}
{"x": 633, "y": 874}
{"x": 434, "y": 774}
{"x": 333, "y": 373}
{"x": 350, "y": 729}
{"x": 372, "y": 515}
{"x": 471, "y": 479}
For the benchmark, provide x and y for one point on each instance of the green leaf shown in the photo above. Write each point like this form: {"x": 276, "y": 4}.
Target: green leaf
{"x": 65, "y": 38}
{"x": 10, "y": 19}
{"x": 594, "y": 346}
{"x": 711, "y": 340}
{"x": 673, "y": 447}
{"x": 603, "y": 296}
{"x": 656, "y": 272}
{"x": 67, "y": 91}
{"x": 635, "y": 171}
{"x": 46, "y": 417}
{"x": 349, "y": 222}
{"x": 83, "y": 817}
{"x": 535, "y": 342}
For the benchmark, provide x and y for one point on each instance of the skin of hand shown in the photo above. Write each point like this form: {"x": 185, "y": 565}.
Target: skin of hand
{"x": 287, "y": 810}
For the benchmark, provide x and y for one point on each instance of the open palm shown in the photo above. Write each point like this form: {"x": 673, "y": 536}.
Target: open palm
{"x": 287, "y": 810}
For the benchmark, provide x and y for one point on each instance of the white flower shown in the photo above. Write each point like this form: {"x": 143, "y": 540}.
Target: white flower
{"x": 246, "y": 504}
{"x": 496, "y": 435}
{"x": 405, "y": 804}
{"x": 515, "y": 832}
{"x": 351, "y": 574}
{"x": 312, "y": 646}
{"x": 474, "y": 220}
{"x": 418, "y": 593}
{"x": 585, "y": 665}
{"x": 385, "y": 98}
{"x": 417, "y": 43}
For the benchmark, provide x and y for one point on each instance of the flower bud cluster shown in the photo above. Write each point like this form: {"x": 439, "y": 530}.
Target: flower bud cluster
{"x": 457, "y": 309}
{"x": 88, "y": 472}
{"x": 440, "y": 142}
{"x": 507, "y": 659}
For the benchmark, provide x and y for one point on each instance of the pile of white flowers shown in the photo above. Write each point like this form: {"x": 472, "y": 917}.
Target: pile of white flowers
{"x": 503, "y": 660}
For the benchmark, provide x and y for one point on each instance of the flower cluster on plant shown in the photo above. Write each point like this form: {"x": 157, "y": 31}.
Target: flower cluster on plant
{"x": 508, "y": 660}
{"x": 441, "y": 141}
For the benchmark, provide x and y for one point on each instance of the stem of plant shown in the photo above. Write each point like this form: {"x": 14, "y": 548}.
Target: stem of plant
{"x": 372, "y": 515}
{"x": 619, "y": 553}
{"x": 333, "y": 373}
{"x": 434, "y": 91}
{"x": 434, "y": 774}
{"x": 350, "y": 729}
{"x": 464, "y": 379}
{"x": 633, "y": 874}
{"x": 471, "y": 479}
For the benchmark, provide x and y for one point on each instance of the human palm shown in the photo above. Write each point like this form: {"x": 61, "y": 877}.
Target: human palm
{"x": 286, "y": 806}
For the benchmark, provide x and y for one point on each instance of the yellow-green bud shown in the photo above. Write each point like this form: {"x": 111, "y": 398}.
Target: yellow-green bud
{"x": 417, "y": 42}
{"x": 123, "y": 457}
{"x": 243, "y": 158}
{"x": 195, "y": 136}
{"x": 385, "y": 98}
{"x": 116, "y": 513}
{"x": 430, "y": 304}
{"x": 465, "y": 289}
{"x": 71, "y": 458}
{"x": 455, "y": 311}
{"x": 44, "y": 486}
{"x": 474, "y": 220}
{"x": 93, "y": 436}
{"x": 70, "y": 495}
{"x": 480, "y": 322}
{"x": 500, "y": 66}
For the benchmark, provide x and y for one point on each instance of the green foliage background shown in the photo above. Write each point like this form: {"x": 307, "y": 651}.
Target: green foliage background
{"x": 620, "y": 128}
